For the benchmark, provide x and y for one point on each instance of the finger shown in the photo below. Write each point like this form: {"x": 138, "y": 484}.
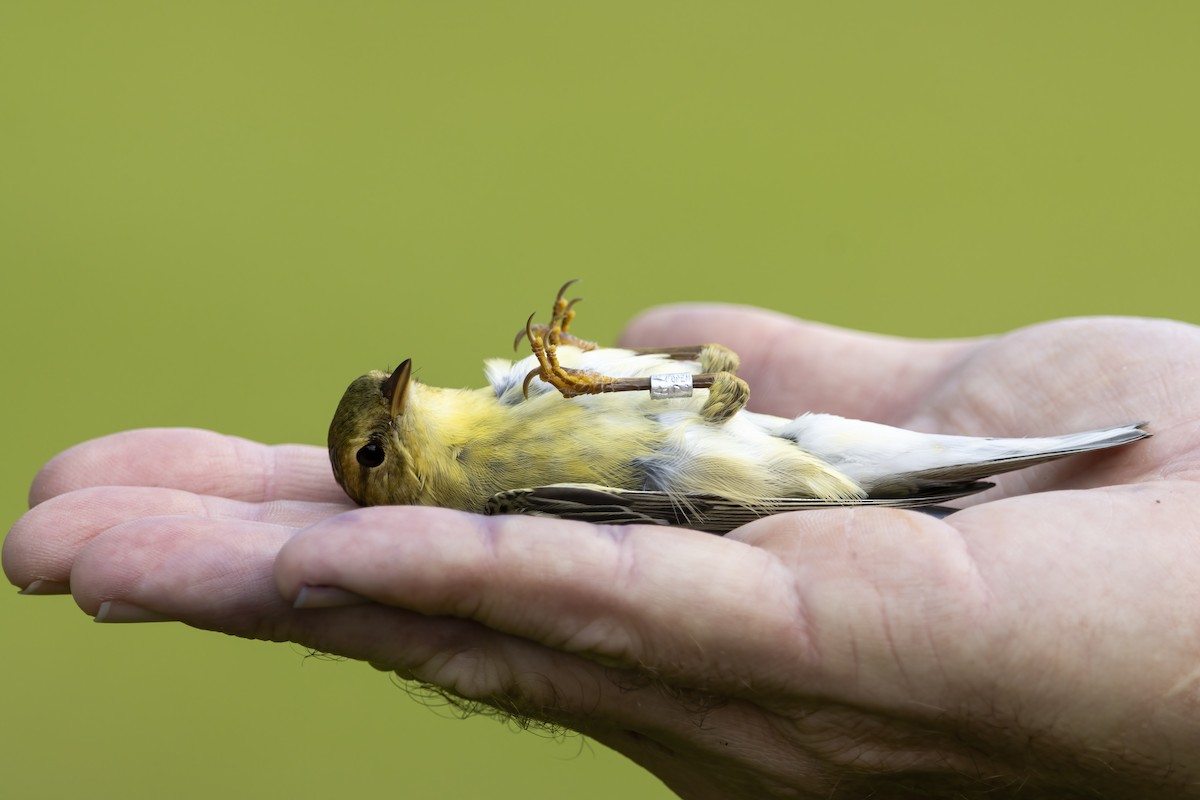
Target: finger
{"x": 698, "y": 610}
{"x": 793, "y": 365}
{"x": 1073, "y": 374}
{"x": 217, "y": 575}
{"x": 43, "y": 544}
{"x": 198, "y": 461}
{"x": 197, "y": 583}
{"x": 873, "y": 608}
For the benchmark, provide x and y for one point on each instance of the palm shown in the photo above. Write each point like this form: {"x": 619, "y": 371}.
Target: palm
{"x": 1054, "y": 588}
{"x": 839, "y": 651}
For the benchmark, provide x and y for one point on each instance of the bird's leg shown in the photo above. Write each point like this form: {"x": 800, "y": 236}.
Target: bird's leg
{"x": 727, "y": 392}
{"x": 712, "y": 357}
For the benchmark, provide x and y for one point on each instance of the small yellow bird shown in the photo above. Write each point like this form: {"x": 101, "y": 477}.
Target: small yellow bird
{"x": 560, "y": 434}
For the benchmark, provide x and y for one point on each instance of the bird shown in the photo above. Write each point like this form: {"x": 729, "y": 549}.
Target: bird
{"x": 657, "y": 436}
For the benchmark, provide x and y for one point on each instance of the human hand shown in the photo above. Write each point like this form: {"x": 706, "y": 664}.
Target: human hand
{"x": 1038, "y": 642}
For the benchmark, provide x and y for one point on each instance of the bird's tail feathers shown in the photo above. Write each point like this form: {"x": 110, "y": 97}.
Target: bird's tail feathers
{"x": 886, "y": 460}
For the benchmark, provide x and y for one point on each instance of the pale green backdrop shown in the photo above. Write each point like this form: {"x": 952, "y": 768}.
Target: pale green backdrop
{"x": 217, "y": 214}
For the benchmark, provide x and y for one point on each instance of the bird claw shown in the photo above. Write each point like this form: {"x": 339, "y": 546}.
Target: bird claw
{"x": 544, "y": 341}
{"x": 560, "y": 320}
{"x": 728, "y": 393}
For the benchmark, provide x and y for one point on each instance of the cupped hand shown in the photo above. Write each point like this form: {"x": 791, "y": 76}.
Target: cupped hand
{"x": 1040, "y": 643}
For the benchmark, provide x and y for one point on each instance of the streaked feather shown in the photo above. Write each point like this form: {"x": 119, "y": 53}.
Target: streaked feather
{"x": 606, "y": 505}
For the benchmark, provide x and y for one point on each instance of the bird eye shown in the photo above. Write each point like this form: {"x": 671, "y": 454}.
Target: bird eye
{"x": 370, "y": 455}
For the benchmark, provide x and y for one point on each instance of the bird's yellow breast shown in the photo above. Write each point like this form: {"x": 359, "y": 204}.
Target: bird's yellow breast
{"x": 466, "y": 445}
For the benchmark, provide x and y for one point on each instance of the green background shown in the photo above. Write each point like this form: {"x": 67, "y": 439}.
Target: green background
{"x": 217, "y": 214}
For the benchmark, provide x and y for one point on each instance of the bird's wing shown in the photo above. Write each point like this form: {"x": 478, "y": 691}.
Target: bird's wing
{"x": 610, "y": 506}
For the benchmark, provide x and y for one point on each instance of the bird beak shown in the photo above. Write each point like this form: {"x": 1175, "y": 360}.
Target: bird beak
{"x": 395, "y": 388}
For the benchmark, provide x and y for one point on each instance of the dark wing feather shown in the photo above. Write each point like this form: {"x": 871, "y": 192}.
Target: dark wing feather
{"x": 609, "y": 506}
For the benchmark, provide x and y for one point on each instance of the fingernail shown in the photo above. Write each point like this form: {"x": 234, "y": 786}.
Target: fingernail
{"x": 326, "y": 597}
{"x": 120, "y": 611}
{"x": 45, "y": 586}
